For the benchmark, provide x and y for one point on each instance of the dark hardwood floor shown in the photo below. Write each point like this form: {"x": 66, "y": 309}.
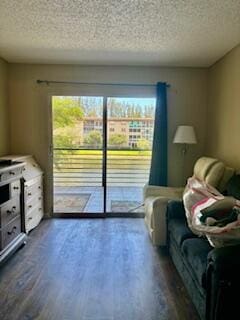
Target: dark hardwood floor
{"x": 99, "y": 269}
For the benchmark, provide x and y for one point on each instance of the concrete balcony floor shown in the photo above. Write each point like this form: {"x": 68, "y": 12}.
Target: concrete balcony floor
{"x": 90, "y": 199}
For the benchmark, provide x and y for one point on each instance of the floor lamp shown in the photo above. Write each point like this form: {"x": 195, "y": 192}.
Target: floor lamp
{"x": 185, "y": 135}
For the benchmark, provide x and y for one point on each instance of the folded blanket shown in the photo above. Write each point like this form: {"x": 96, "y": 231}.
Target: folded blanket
{"x": 195, "y": 191}
{"x": 227, "y": 217}
{"x": 219, "y": 210}
{"x": 211, "y": 214}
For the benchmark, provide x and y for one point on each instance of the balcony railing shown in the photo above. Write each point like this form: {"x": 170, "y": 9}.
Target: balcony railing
{"x": 83, "y": 167}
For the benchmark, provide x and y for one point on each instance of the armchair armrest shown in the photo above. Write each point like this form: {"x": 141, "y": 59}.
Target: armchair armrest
{"x": 155, "y": 218}
{"x": 157, "y": 205}
{"x": 175, "y": 209}
{"x": 157, "y": 191}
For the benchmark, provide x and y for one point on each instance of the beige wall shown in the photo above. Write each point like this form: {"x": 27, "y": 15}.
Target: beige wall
{"x": 30, "y": 106}
{"x": 223, "y": 125}
{"x": 4, "y": 123}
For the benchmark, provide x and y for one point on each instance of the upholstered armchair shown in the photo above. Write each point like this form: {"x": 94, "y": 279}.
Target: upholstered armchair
{"x": 213, "y": 171}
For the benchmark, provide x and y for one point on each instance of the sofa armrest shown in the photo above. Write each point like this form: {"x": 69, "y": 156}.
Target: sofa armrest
{"x": 157, "y": 191}
{"x": 175, "y": 209}
{"x": 222, "y": 283}
{"x": 225, "y": 258}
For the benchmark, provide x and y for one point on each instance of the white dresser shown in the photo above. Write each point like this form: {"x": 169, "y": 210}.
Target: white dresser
{"x": 12, "y": 230}
{"x": 33, "y": 190}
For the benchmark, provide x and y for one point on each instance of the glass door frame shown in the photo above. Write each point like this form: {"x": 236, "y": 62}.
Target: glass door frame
{"x": 104, "y": 149}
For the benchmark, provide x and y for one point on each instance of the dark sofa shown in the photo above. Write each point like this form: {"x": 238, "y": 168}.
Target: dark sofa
{"x": 211, "y": 276}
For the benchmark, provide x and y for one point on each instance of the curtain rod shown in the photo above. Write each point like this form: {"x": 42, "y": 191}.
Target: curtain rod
{"x": 47, "y": 82}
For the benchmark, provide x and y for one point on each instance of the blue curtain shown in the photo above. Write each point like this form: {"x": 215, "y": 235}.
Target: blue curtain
{"x": 159, "y": 163}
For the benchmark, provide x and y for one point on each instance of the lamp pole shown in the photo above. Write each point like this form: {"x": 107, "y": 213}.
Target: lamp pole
{"x": 184, "y": 153}
{"x": 184, "y": 135}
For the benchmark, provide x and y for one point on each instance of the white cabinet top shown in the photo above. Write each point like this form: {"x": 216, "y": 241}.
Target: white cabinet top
{"x": 31, "y": 169}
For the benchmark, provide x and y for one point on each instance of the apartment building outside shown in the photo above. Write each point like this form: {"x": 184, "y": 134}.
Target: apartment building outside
{"x": 134, "y": 129}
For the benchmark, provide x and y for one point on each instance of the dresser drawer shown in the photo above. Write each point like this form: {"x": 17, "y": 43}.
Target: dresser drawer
{"x": 33, "y": 201}
{"x": 11, "y": 174}
{"x": 10, "y": 232}
{"x": 9, "y": 211}
{"x": 33, "y": 187}
{"x": 15, "y": 188}
{"x": 33, "y": 218}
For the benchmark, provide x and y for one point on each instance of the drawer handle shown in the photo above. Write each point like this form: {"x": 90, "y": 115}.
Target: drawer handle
{"x": 12, "y": 210}
{"x": 12, "y": 231}
{"x": 40, "y": 198}
{"x": 12, "y": 172}
{"x": 39, "y": 209}
{"x": 30, "y": 206}
{"x": 15, "y": 188}
{"x": 39, "y": 187}
{"x": 30, "y": 218}
{"x": 29, "y": 193}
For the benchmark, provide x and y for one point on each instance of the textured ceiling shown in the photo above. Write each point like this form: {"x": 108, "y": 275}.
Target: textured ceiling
{"x": 120, "y": 32}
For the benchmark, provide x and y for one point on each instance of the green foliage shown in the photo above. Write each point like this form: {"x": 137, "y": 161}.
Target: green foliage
{"x": 143, "y": 144}
{"x": 93, "y": 139}
{"x": 117, "y": 139}
{"x": 66, "y": 111}
{"x": 63, "y": 141}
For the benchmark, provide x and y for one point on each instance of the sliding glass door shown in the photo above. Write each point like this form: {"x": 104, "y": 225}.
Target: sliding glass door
{"x": 78, "y": 154}
{"x": 101, "y": 154}
{"x": 130, "y": 124}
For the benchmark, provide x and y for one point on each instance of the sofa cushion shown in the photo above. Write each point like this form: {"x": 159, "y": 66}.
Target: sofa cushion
{"x": 228, "y": 173}
{"x": 202, "y": 167}
{"x": 179, "y": 230}
{"x": 233, "y": 187}
{"x": 195, "y": 251}
{"x": 175, "y": 210}
{"x": 215, "y": 174}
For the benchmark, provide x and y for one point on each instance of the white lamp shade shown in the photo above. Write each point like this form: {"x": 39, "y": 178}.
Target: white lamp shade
{"x": 185, "y": 135}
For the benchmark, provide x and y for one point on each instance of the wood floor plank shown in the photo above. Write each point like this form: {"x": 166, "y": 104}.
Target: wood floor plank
{"x": 99, "y": 269}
